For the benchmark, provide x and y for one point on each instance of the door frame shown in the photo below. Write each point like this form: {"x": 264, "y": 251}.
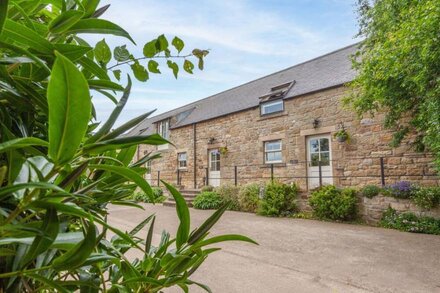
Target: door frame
{"x": 328, "y": 169}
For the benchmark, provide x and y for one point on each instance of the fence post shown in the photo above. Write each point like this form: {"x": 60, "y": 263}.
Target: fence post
{"x": 382, "y": 171}
{"x": 320, "y": 173}
{"x": 207, "y": 176}
{"x": 158, "y": 178}
{"x": 178, "y": 176}
{"x": 271, "y": 172}
{"x": 235, "y": 176}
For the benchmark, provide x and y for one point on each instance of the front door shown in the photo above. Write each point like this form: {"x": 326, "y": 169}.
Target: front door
{"x": 319, "y": 150}
{"x": 214, "y": 168}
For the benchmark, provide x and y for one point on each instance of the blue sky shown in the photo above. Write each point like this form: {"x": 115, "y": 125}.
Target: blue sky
{"x": 248, "y": 39}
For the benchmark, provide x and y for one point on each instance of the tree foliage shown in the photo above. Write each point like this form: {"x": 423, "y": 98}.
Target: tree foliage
{"x": 399, "y": 68}
{"x": 58, "y": 171}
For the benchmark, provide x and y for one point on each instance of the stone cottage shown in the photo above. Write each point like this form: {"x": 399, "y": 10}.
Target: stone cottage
{"x": 281, "y": 126}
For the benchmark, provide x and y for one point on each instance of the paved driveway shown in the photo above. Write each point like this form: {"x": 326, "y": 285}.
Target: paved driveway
{"x": 305, "y": 256}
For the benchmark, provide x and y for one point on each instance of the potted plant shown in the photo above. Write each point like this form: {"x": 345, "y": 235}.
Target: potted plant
{"x": 223, "y": 150}
{"x": 342, "y": 135}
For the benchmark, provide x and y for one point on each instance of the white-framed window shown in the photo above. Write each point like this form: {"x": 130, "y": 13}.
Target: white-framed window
{"x": 148, "y": 167}
{"x": 272, "y": 151}
{"x": 181, "y": 160}
{"x": 272, "y": 107}
{"x": 163, "y": 128}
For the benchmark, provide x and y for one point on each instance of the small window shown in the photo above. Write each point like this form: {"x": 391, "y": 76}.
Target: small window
{"x": 163, "y": 128}
{"x": 181, "y": 160}
{"x": 272, "y": 152}
{"x": 148, "y": 167}
{"x": 272, "y": 107}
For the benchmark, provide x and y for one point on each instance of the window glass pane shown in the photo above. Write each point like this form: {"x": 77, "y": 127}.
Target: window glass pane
{"x": 272, "y": 107}
{"x": 273, "y": 145}
{"x": 324, "y": 144}
{"x": 217, "y": 166}
{"x": 314, "y": 145}
{"x": 325, "y": 159}
{"x": 314, "y": 158}
{"x": 273, "y": 157}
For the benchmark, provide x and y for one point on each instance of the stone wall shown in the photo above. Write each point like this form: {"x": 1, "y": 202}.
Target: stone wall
{"x": 371, "y": 209}
{"x": 354, "y": 163}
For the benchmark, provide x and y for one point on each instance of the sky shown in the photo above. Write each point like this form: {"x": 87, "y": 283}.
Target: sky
{"x": 247, "y": 39}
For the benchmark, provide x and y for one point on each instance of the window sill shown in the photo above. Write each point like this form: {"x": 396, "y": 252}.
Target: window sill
{"x": 273, "y": 115}
{"x": 279, "y": 164}
{"x": 182, "y": 169}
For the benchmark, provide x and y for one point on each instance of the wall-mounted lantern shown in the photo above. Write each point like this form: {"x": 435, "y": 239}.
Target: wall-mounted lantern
{"x": 316, "y": 123}
{"x": 211, "y": 140}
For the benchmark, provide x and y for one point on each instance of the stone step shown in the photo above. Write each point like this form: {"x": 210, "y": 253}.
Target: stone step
{"x": 188, "y": 194}
{"x": 171, "y": 203}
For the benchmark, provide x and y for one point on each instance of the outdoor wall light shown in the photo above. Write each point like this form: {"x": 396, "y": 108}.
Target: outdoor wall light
{"x": 316, "y": 123}
{"x": 211, "y": 140}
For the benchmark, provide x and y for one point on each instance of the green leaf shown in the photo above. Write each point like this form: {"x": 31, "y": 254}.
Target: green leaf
{"x": 207, "y": 225}
{"x": 113, "y": 116}
{"x": 188, "y": 66}
{"x": 27, "y": 37}
{"x": 141, "y": 225}
{"x": 128, "y": 174}
{"x": 74, "y": 175}
{"x": 153, "y": 66}
{"x": 17, "y": 49}
{"x": 123, "y": 142}
{"x": 90, "y": 7}
{"x": 117, "y": 74}
{"x": 150, "y": 49}
{"x": 183, "y": 214}
{"x": 79, "y": 253}
{"x": 100, "y": 84}
{"x": 149, "y": 238}
{"x": 121, "y": 53}
{"x": 49, "y": 283}
{"x": 203, "y": 286}
{"x": 41, "y": 243}
{"x": 64, "y": 21}
{"x": 126, "y": 126}
{"x": 139, "y": 72}
{"x": 99, "y": 26}
{"x": 3, "y": 13}
{"x": 178, "y": 44}
{"x": 174, "y": 67}
{"x": 23, "y": 142}
{"x": 39, "y": 185}
{"x": 93, "y": 68}
{"x": 222, "y": 238}
{"x": 73, "y": 52}
{"x": 103, "y": 55}
{"x": 161, "y": 43}
{"x": 69, "y": 109}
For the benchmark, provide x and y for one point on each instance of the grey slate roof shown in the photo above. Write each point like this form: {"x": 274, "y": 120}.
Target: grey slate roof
{"x": 323, "y": 72}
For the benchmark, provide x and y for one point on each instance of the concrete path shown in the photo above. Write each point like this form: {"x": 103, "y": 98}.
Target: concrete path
{"x": 303, "y": 255}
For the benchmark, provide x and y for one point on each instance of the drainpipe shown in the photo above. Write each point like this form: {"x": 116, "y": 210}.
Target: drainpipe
{"x": 195, "y": 154}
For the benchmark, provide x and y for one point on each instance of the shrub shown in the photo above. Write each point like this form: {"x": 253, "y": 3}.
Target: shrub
{"x": 158, "y": 196}
{"x": 409, "y": 222}
{"x": 208, "y": 200}
{"x": 248, "y": 197}
{"x": 332, "y": 203}
{"x": 370, "y": 191}
{"x": 401, "y": 189}
{"x": 207, "y": 188}
{"x": 279, "y": 199}
{"x": 229, "y": 193}
{"x": 426, "y": 197}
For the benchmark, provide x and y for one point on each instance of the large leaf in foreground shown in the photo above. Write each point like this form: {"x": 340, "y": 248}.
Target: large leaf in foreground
{"x": 99, "y": 26}
{"x": 183, "y": 214}
{"x": 69, "y": 109}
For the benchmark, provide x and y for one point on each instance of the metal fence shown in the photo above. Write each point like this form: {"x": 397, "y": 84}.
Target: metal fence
{"x": 345, "y": 172}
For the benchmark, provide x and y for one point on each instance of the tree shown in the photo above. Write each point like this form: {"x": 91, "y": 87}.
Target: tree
{"x": 399, "y": 68}
{"x": 58, "y": 171}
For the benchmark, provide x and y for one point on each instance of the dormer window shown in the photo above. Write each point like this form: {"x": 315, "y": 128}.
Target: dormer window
{"x": 272, "y": 107}
{"x": 163, "y": 128}
{"x": 273, "y": 102}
